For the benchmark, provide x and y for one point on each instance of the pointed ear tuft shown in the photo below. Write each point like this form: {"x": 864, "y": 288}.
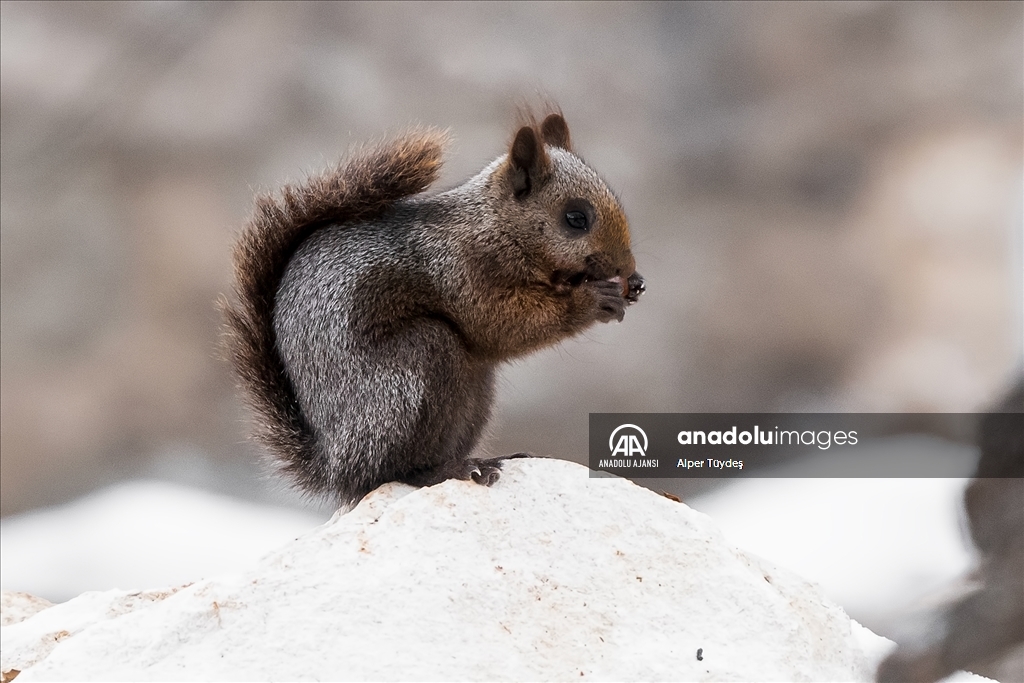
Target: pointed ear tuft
{"x": 528, "y": 162}
{"x": 555, "y": 132}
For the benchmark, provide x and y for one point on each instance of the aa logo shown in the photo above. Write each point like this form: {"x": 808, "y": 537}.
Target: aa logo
{"x": 628, "y": 443}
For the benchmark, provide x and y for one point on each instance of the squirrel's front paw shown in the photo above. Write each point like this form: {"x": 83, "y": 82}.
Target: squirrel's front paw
{"x": 610, "y": 305}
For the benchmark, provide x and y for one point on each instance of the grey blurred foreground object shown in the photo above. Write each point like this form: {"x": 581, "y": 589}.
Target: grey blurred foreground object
{"x": 988, "y": 622}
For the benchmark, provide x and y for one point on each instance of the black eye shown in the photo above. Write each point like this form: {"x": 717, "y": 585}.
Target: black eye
{"x": 577, "y": 220}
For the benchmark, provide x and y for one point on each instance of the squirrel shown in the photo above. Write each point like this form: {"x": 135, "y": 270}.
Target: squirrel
{"x": 369, "y": 318}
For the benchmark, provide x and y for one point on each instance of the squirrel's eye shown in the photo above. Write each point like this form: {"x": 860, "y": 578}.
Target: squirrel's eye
{"x": 577, "y": 220}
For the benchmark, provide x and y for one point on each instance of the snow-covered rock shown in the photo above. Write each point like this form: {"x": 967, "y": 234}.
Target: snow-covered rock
{"x": 550, "y": 574}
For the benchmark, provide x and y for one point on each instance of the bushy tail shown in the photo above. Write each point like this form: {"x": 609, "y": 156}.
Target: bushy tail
{"x": 358, "y": 189}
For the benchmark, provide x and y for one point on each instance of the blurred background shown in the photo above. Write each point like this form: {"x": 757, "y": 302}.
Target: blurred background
{"x": 825, "y": 199}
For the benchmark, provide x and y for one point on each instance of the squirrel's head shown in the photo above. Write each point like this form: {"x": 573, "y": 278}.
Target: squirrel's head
{"x": 578, "y": 230}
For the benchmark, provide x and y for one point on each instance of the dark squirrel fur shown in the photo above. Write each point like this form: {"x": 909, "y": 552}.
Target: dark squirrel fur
{"x": 368, "y": 318}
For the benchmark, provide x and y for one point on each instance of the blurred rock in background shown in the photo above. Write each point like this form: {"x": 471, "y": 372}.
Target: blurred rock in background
{"x": 825, "y": 200}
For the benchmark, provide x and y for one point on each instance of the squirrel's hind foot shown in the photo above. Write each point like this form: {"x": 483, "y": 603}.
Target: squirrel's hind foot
{"x": 488, "y": 470}
{"x": 484, "y": 471}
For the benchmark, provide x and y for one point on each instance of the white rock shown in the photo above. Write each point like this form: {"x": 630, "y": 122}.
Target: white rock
{"x": 24, "y": 647}
{"x": 548, "y": 575}
{"x": 16, "y": 606}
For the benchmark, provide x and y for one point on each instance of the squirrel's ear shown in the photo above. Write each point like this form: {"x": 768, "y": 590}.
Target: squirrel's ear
{"x": 528, "y": 162}
{"x": 555, "y": 132}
